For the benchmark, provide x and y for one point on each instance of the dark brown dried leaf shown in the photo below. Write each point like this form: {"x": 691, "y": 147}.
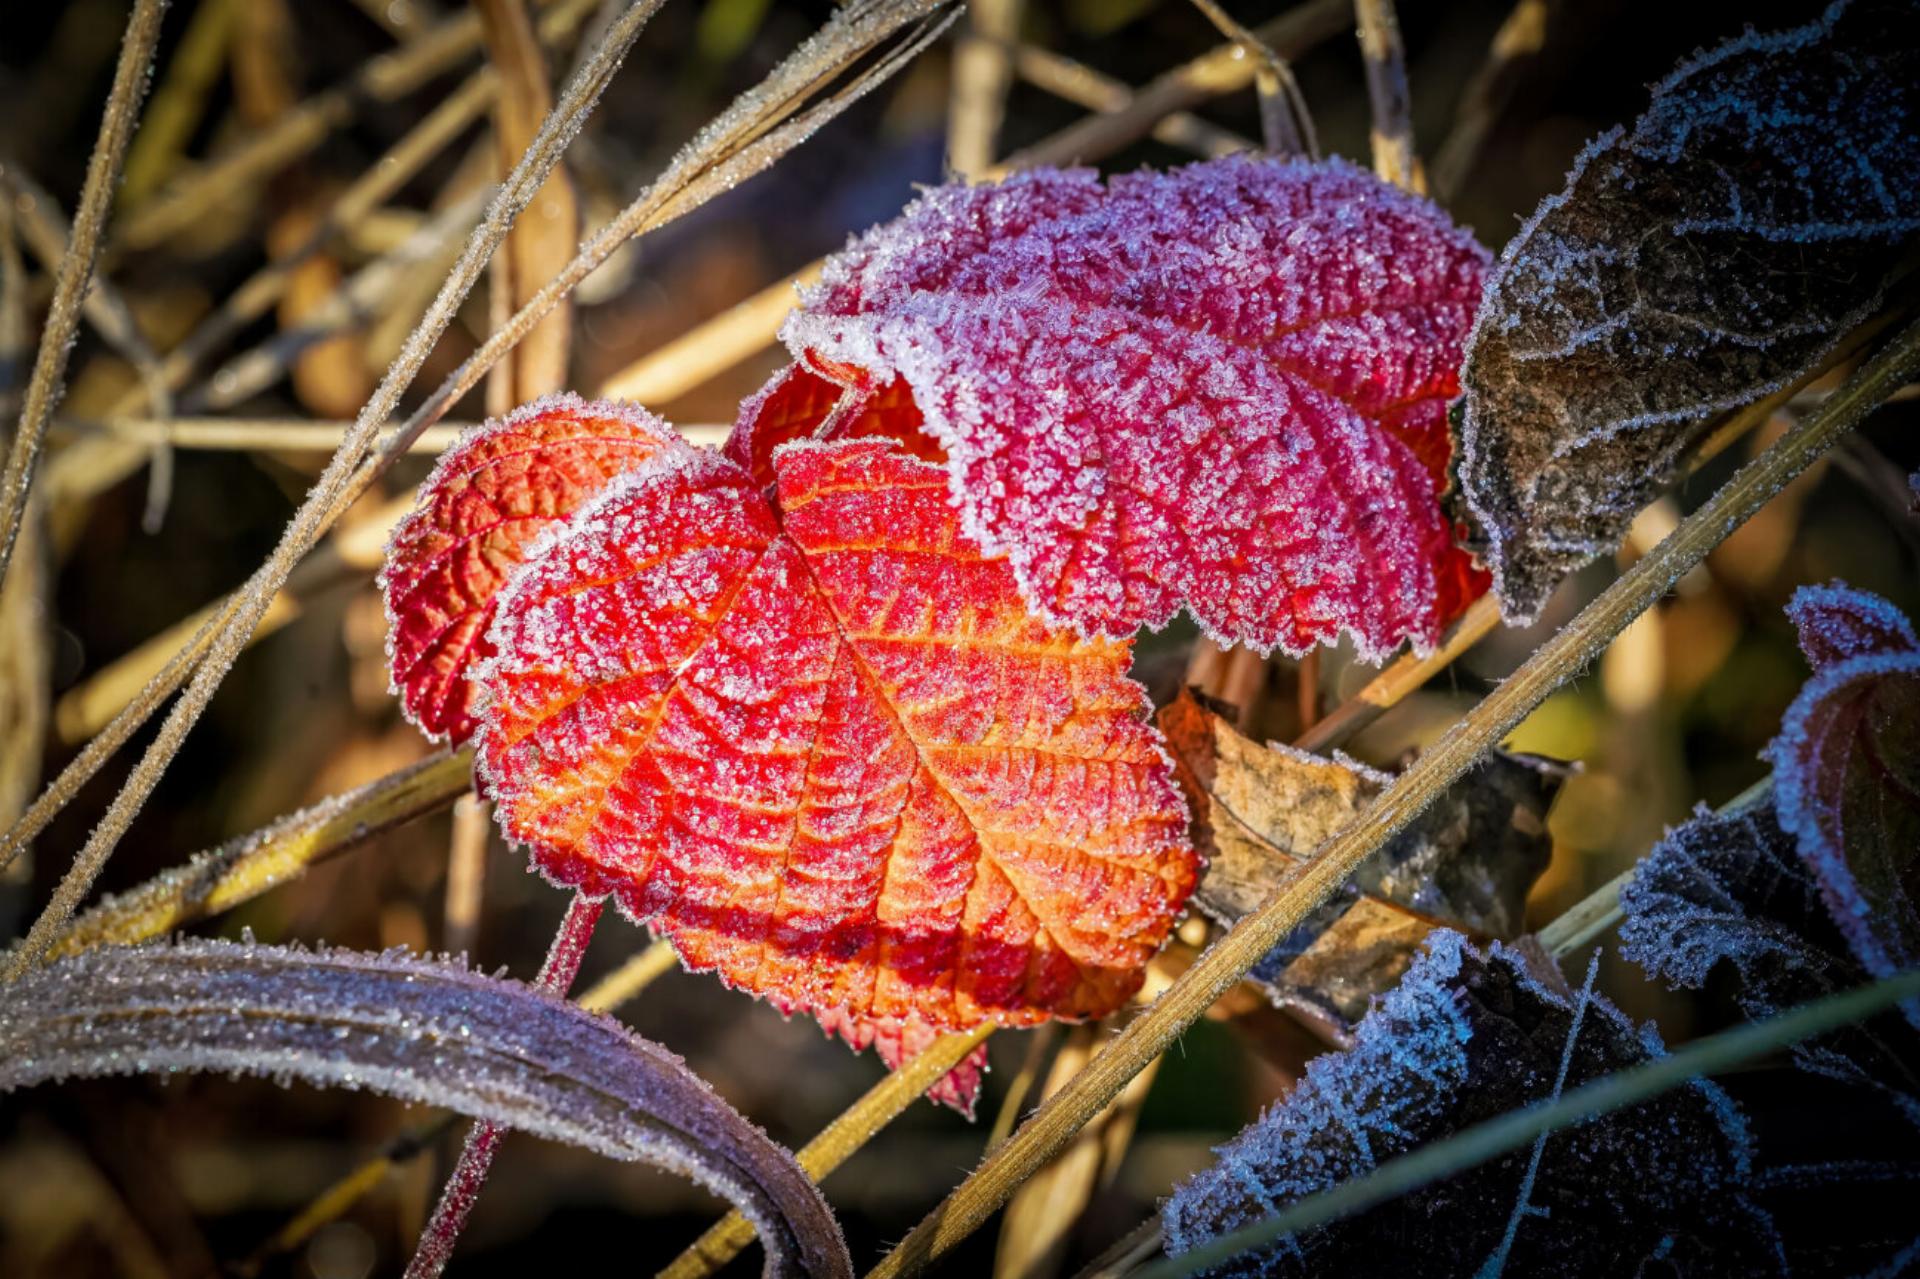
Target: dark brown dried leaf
{"x": 1714, "y": 252}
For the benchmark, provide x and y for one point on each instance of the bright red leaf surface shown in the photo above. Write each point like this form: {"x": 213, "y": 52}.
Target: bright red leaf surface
{"x": 1222, "y": 388}
{"x": 493, "y": 493}
{"x": 898, "y": 1042}
{"x": 813, "y": 734}
{"x": 1846, "y": 771}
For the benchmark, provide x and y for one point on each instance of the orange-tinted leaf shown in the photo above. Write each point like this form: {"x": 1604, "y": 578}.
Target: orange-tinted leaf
{"x": 899, "y": 1042}
{"x": 816, "y": 738}
{"x": 502, "y": 485}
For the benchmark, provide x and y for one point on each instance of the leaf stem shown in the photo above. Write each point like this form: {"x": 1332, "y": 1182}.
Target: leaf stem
{"x": 469, "y": 1176}
{"x": 1516, "y": 1128}
{"x": 1555, "y": 662}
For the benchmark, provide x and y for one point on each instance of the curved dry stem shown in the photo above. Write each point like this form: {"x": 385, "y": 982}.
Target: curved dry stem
{"x": 307, "y": 524}
{"x": 76, "y": 267}
{"x": 616, "y": 988}
{"x": 1443, "y": 763}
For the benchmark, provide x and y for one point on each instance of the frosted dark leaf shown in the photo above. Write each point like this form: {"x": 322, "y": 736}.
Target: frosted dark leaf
{"x": 1693, "y": 263}
{"x": 1727, "y": 893}
{"x": 1846, "y": 768}
{"x": 1464, "y": 1037}
{"x": 420, "y": 1030}
{"x": 1730, "y": 889}
{"x": 1467, "y": 862}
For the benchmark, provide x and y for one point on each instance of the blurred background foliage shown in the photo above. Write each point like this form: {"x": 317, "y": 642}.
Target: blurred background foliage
{"x": 141, "y": 1178}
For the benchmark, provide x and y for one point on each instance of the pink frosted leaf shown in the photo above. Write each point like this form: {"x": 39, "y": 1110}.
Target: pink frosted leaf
{"x": 899, "y": 1042}
{"x": 503, "y": 484}
{"x": 1847, "y": 771}
{"x": 1222, "y": 388}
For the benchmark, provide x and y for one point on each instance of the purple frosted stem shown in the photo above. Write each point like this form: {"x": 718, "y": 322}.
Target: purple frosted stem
{"x": 561, "y": 966}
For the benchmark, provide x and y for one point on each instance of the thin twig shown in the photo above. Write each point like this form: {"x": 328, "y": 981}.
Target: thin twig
{"x": 328, "y": 491}
{"x": 1286, "y": 127}
{"x": 297, "y": 132}
{"x": 1083, "y": 86}
{"x": 982, "y": 73}
{"x": 1520, "y": 37}
{"x": 1388, "y": 92}
{"x": 1226, "y": 69}
{"x": 1517, "y": 1128}
{"x": 469, "y": 1175}
{"x": 76, "y": 267}
{"x": 541, "y": 242}
{"x": 1443, "y": 763}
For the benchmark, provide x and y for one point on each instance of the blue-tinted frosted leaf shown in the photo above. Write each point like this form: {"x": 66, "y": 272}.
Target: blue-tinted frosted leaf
{"x": 420, "y": 1030}
{"x": 1464, "y": 1037}
{"x": 1846, "y": 769}
{"x": 1718, "y": 248}
{"x": 1730, "y": 889}
{"x": 1729, "y": 892}
{"x": 1257, "y": 810}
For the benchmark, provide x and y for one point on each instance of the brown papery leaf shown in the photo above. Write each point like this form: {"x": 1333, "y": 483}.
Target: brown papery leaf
{"x": 1259, "y": 811}
{"x": 1712, "y": 254}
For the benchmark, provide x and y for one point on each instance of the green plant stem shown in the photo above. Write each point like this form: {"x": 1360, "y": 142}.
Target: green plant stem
{"x": 1555, "y": 662}
{"x": 1516, "y": 1128}
{"x": 76, "y": 267}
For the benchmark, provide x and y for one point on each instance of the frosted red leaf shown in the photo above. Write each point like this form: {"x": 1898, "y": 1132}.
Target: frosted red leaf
{"x": 1846, "y": 771}
{"x": 815, "y": 737}
{"x": 898, "y": 1042}
{"x": 492, "y": 494}
{"x": 1222, "y": 388}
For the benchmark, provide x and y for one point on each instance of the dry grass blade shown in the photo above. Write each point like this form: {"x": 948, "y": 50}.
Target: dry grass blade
{"x": 982, "y": 73}
{"x": 180, "y": 101}
{"x": 1520, "y": 37}
{"x": 76, "y": 267}
{"x": 712, "y": 163}
{"x": 238, "y": 871}
{"x": 851, "y": 1130}
{"x": 1555, "y": 662}
{"x": 309, "y": 521}
{"x": 1387, "y": 89}
{"x": 1081, "y": 85}
{"x": 297, "y": 132}
{"x": 1224, "y": 70}
{"x": 541, "y": 242}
